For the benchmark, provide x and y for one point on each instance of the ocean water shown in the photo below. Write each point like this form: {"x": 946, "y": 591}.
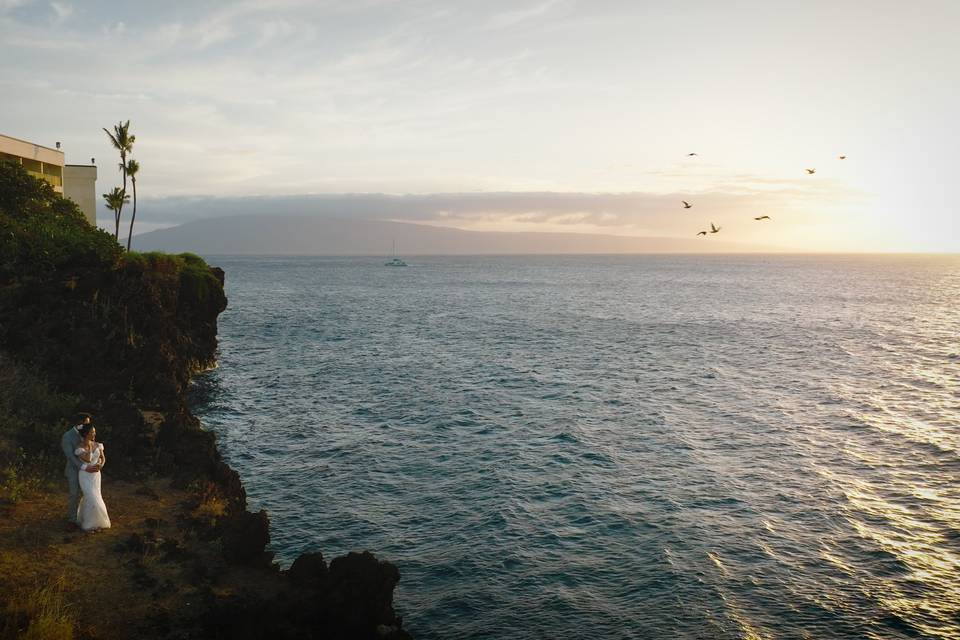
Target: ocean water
{"x": 609, "y": 447}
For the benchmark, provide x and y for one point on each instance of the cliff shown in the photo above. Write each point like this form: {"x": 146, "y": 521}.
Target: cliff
{"x": 85, "y": 327}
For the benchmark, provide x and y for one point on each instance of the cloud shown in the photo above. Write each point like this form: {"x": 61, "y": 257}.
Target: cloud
{"x": 9, "y": 5}
{"x": 612, "y": 211}
{"x": 196, "y": 37}
{"x": 114, "y": 29}
{"x": 256, "y": 23}
{"x": 298, "y": 96}
{"x": 618, "y": 214}
{"x": 62, "y": 10}
{"x": 514, "y": 17}
{"x": 273, "y": 30}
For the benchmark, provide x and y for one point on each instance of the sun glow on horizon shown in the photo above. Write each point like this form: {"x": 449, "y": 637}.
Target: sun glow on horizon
{"x": 262, "y": 99}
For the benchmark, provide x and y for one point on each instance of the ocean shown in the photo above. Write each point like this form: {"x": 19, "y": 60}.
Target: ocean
{"x": 609, "y": 446}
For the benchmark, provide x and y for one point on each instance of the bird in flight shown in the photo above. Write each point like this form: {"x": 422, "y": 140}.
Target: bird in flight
{"x": 714, "y": 229}
{"x": 843, "y": 157}
{"x": 691, "y": 154}
{"x": 810, "y": 172}
{"x": 763, "y": 218}
{"x": 702, "y": 233}
{"x": 686, "y": 205}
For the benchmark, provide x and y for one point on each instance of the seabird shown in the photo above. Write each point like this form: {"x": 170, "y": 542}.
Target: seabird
{"x": 714, "y": 229}
{"x": 843, "y": 157}
{"x": 691, "y": 154}
{"x": 686, "y": 205}
{"x": 763, "y": 218}
{"x": 702, "y": 233}
{"x": 811, "y": 171}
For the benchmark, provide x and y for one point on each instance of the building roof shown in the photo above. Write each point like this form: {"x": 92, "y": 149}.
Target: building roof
{"x": 3, "y": 135}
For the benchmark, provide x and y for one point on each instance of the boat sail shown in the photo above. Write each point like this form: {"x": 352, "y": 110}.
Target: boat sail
{"x": 396, "y": 262}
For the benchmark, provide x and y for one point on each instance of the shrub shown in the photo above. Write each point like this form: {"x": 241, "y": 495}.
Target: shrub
{"x": 192, "y": 259}
{"x": 11, "y": 487}
{"x": 196, "y": 280}
{"x": 209, "y": 503}
{"x": 208, "y": 511}
{"x": 31, "y": 423}
{"x": 42, "y": 233}
{"x": 16, "y": 482}
{"x": 196, "y": 283}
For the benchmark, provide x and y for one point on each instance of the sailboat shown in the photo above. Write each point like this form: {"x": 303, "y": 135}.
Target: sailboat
{"x": 396, "y": 262}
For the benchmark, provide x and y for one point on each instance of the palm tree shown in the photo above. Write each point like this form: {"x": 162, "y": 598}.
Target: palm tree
{"x": 132, "y": 168}
{"x": 115, "y": 200}
{"x": 122, "y": 141}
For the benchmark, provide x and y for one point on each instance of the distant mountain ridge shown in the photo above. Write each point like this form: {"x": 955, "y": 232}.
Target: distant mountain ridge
{"x": 326, "y": 235}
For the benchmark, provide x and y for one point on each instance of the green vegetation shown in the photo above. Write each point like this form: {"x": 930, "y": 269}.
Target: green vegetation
{"x": 42, "y": 233}
{"x": 196, "y": 280}
{"x": 43, "y": 613}
{"x": 16, "y": 482}
{"x": 122, "y": 140}
{"x": 31, "y": 423}
{"x": 99, "y": 322}
{"x": 208, "y": 502}
{"x": 115, "y": 200}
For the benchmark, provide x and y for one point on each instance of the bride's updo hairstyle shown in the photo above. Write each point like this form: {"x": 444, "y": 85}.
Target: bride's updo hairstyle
{"x": 85, "y": 429}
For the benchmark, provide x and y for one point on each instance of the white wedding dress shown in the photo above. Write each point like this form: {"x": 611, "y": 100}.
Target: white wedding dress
{"x": 93, "y": 512}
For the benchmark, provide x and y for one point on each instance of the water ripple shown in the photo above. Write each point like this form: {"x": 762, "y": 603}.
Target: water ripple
{"x": 624, "y": 447}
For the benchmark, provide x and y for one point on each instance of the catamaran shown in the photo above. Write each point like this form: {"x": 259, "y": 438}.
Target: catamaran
{"x": 396, "y": 262}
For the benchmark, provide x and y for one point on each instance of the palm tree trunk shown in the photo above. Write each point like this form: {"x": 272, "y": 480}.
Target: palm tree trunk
{"x": 134, "y": 216}
{"x": 116, "y": 218}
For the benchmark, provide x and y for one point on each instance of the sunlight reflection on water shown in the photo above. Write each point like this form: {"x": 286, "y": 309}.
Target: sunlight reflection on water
{"x": 658, "y": 446}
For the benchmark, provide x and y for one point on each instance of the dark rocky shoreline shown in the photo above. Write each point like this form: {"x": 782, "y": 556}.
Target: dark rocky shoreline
{"x": 124, "y": 336}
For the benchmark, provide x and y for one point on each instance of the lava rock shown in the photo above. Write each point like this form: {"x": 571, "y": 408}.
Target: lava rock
{"x": 361, "y": 591}
{"x": 309, "y": 571}
{"x": 245, "y": 535}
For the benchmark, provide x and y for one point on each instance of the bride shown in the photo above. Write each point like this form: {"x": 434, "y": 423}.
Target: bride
{"x": 93, "y": 512}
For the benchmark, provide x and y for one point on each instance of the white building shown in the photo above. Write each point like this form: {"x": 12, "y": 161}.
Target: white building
{"x": 75, "y": 181}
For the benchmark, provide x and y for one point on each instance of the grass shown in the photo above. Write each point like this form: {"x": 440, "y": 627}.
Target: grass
{"x": 40, "y": 613}
{"x": 196, "y": 281}
{"x": 210, "y": 504}
{"x": 109, "y": 591}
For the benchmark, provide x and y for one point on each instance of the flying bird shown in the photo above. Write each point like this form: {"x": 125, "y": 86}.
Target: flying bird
{"x": 843, "y": 157}
{"x": 811, "y": 171}
{"x": 714, "y": 229}
{"x": 702, "y": 233}
{"x": 691, "y": 154}
{"x": 763, "y": 218}
{"x": 686, "y": 205}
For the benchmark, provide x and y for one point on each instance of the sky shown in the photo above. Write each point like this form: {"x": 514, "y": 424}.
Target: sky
{"x": 552, "y": 115}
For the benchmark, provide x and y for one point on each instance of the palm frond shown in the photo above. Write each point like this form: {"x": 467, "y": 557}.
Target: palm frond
{"x": 113, "y": 140}
{"x": 116, "y": 198}
{"x": 121, "y": 138}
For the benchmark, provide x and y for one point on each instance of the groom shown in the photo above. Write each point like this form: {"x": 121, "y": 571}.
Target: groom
{"x": 69, "y": 443}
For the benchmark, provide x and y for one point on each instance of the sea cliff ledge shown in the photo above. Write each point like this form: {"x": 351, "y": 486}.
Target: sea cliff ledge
{"x": 85, "y": 326}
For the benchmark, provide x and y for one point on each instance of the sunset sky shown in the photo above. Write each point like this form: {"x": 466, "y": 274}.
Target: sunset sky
{"x": 532, "y": 100}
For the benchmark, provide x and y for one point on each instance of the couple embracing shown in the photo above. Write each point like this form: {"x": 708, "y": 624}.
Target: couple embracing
{"x": 85, "y": 458}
